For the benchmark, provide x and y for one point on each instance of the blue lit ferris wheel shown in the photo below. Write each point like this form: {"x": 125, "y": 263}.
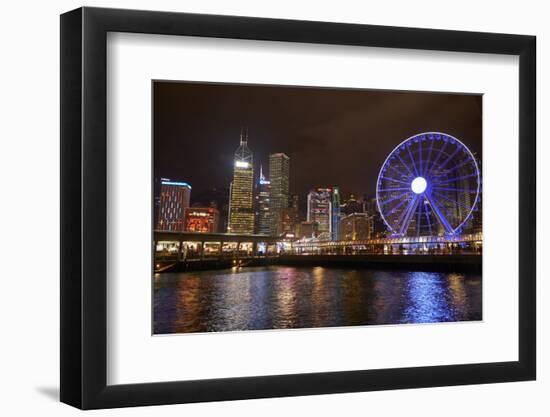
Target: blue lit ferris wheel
{"x": 428, "y": 185}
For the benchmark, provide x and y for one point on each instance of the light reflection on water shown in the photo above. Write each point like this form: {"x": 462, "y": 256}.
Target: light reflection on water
{"x": 288, "y": 297}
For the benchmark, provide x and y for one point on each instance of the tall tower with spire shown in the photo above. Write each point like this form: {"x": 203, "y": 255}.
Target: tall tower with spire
{"x": 241, "y": 200}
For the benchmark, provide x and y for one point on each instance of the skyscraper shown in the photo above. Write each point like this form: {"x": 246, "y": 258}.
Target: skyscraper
{"x": 319, "y": 210}
{"x": 174, "y": 199}
{"x": 241, "y": 210}
{"x": 335, "y": 214}
{"x": 263, "y": 209}
{"x": 279, "y": 174}
{"x": 290, "y": 217}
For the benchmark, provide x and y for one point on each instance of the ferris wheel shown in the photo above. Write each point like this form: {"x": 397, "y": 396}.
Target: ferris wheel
{"x": 428, "y": 185}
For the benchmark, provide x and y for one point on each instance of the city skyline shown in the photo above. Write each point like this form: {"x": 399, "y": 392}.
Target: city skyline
{"x": 340, "y": 136}
{"x": 266, "y": 207}
{"x": 260, "y": 204}
{"x": 314, "y": 207}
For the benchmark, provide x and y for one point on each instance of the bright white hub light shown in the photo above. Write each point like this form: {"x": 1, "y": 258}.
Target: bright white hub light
{"x": 419, "y": 185}
{"x": 241, "y": 164}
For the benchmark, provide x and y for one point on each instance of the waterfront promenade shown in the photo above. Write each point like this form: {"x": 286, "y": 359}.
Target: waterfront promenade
{"x": 198, "y": 251}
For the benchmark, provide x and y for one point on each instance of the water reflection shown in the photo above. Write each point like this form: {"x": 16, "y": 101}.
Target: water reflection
{"x": 426, "y": 299}
{"x": 288, "y": 297}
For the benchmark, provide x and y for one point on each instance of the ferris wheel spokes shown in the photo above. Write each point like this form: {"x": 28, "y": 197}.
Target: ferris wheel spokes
{"x": 399, "y": 172}
{"x": 438, "y": 214}
{"x": 420, "y": 170}
{"x": 412, "y": 160}
{"x": 452, "y": 201}
{"x": 440, "y": 152}
{"x": 407, "y": 215}
{"x": 395, "y": 180}
{"x": 428, "y": 187}
{"x": 405, "y": 165}
{"x": 383, "y": 203}
{"x": 465, "y": 190}
{"x": 451, "y": 156}
{"x": 456, "y": 179}
{"x": 428, "y": 158}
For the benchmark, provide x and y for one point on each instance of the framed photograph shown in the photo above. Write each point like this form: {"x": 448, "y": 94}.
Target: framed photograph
{"x": 257, "y": 208}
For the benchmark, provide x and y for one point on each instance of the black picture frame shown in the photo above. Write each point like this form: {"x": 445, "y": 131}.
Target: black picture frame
{"x": 84, "y": 207}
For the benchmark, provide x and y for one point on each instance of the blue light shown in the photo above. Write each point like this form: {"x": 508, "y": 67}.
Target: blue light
{"x": 181, "y": 184}
{"x": 416, "y": 172}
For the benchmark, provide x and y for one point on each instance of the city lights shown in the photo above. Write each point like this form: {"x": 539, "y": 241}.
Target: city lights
{"x": 242, "y": 164}
{"x": 241, "y": 191}
{"x": 181, "y": 184}
{"x": 419, "y": 185}
{"x": 330, "y": 218}
{"x": 429, "y": 185}
{"x": 427, "y": 191}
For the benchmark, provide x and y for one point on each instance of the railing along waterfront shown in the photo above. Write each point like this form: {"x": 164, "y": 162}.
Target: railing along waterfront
{"x": 432, "y": 245}
{"x": 186, "y": 246}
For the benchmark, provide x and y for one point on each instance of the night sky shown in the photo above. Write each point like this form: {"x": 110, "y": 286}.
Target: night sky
{"x": 332, "y": 136}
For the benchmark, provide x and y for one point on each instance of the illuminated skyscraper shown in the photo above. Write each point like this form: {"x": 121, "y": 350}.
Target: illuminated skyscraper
{"x": 319, "y": 210}
{"x": 279, "y": 173}
{"x": 241, "y": 210}
{"x": 263, "y": 209}
{"x": 335, "y": 214}
{"x": 174, "y": 199}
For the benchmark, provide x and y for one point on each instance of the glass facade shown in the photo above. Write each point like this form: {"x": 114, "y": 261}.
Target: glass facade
{"x": 279, "y": 173}
{"x": 174, "y": 199}
{"x": 335, "y": 214}
{"x": 263, "y": 208}
{"x": 241, "y": 200}
{"x": 319, "y": 210}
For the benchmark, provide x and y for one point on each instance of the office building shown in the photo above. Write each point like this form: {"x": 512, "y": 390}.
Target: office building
{"x": 307, "y": 230}
{"x": 319, "y": 210}
{"x": 263, "y": 208}
{"x": 290, "y": 217}
{"x": 356, "y": 226}
{"x": 174, "y": 199}
{"x": 241, "y": 201}
{"x": 279, "y": 174}
{"x": 335, "y": 215}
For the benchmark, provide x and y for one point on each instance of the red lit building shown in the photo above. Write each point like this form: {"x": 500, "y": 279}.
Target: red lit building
{"x": 201, "y": 219}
